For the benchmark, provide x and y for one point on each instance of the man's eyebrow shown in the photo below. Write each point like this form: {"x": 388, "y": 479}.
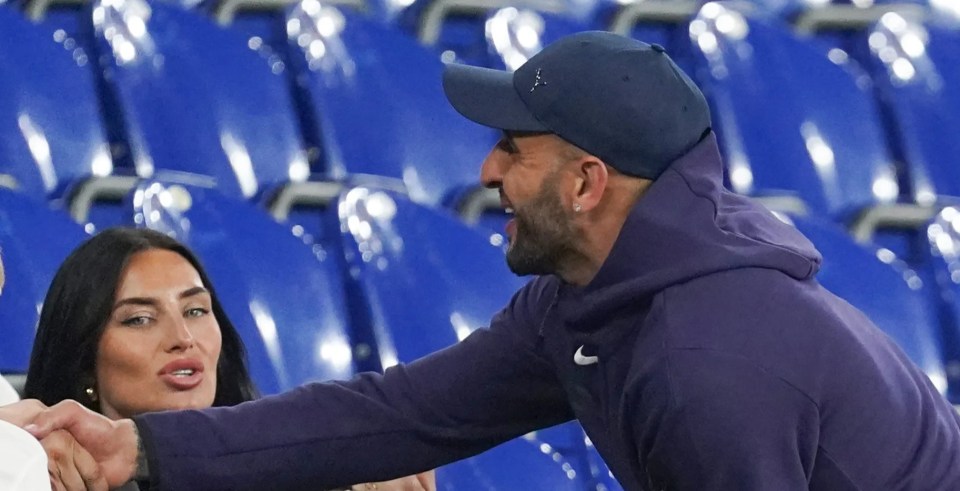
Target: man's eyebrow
{"x": 511, "y": 144}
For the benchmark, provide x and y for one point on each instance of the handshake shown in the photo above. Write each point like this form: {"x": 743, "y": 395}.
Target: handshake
{"x": 85, "y": 450}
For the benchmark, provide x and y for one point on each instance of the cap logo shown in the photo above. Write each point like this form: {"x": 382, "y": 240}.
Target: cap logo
{"x": 537, "y": 82}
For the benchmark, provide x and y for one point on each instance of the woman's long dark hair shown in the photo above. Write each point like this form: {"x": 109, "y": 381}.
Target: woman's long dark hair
{"x": 78, "y": 305}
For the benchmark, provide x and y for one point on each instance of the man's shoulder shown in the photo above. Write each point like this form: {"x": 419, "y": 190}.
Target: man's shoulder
{"x": 791, "y": 330}
{"x": 753, "y": 306}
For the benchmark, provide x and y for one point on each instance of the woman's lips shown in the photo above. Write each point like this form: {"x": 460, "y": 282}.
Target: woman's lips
{"x": 182, "y": 374}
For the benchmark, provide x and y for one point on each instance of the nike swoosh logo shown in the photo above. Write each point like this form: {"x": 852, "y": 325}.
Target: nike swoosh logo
{"x": 583, "y": 361}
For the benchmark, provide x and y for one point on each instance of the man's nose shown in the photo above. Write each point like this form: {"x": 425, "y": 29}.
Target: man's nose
{"x": 491, "y": 172}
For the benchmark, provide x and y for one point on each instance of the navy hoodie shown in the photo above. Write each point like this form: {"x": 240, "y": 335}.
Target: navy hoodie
{"x": 703, "y": 356}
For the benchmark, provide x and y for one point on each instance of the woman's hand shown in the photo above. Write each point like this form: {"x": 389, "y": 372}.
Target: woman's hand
{"x": 22, "y": 413}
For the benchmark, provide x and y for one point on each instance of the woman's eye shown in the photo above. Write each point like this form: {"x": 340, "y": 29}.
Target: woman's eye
{"x": 140, "y": 320}
{"x": 197, "y": 312}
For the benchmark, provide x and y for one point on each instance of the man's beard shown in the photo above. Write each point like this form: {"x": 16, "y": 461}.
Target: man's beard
{"x": 543, "y": 237}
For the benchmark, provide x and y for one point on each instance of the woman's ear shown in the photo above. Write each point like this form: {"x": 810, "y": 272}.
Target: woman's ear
{"x": 89, "y": 392}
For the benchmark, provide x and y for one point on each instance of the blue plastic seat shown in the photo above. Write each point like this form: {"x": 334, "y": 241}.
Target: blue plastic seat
{"x": 837, "y": 16}
{"x": 51, "y": 136}
{"x": 282, "y": 289}
{"x": 195, "y": 98}
{"x": 792, "y": 122}
{"x": 524, "y": 463}
{"x": 378, "y": 100}
{"x": 490, "y": 33}
{"x": 34, "y": 240}
{"x": 917, "y": 72}
{"x": 663, "y": 22}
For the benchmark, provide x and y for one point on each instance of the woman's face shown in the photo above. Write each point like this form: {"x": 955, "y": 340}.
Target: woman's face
{"x": 161, "y": 343}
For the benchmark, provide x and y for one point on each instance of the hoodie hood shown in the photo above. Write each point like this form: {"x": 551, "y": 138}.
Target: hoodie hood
{"x": 686, "y": 226}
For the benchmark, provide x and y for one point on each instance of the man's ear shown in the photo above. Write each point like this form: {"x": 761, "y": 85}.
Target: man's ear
{"x": 593, "y": 176}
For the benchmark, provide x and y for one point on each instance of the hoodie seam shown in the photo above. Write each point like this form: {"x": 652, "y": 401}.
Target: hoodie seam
{"x": 686, "y": 182}
{"x": 669, "y": 349}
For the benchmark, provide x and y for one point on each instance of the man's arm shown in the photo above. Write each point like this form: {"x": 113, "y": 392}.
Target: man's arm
{"x": 450, "y": 405}
{"x": 726, "y": 424}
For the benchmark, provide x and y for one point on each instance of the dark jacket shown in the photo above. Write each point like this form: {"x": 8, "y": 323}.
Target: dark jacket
{"x": 720, "y": 364}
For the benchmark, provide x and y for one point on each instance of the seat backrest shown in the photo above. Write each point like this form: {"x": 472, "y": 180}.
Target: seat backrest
{"x": 282, "y": 291}
{"x": 493, "y": 34}
{"x": 427, "y": 279}
{"x": 50, "y": 125}
{"x": 917, "y": 71}
{"x": 34, "y": 240}
{"x": 195, "y": 97}
{"x": 522, "y": 463}
{"x": 943, "y": 272}
{"x": 377, "y": 97}
{"x": 791, "y": 120}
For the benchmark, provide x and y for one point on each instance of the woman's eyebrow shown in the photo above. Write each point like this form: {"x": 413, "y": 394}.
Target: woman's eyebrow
{"x": 197, "y": 290}
{"x": 134, "y": 301}
{"x": 193, "y": 291}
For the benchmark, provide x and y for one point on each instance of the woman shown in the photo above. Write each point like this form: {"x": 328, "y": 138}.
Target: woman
{"x": 131, "y": 324}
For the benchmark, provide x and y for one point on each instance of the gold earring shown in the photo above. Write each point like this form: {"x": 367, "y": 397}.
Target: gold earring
{"x": 92, "y": 394}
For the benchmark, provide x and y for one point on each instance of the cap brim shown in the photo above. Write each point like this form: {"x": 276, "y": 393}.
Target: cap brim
{"x": 487, "y": 97}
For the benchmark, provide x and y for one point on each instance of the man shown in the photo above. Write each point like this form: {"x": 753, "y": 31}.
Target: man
{"x": 682, "y": 325}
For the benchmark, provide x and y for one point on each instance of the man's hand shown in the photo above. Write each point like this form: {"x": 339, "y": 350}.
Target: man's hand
{"x": 111, "y": 444}
{"x": 22, "y": 413}
{"x": 425, "y": 481}
{"x": 71, "y": 467}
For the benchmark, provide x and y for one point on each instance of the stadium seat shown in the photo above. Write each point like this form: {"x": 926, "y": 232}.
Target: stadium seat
{"x": 377, "y": 96}
{"x": 798, "y": 124}
{"x": 497, "y": 34}
{"x": 663, "y": 22}
{"x": 51, "y": 136}
{"x": 282, "y": 289}
{"x": 194, "y": 98}
{"x": 942, "y": 268}
{"x": 916, "y": 69}
{"x": 34, "y": 240}
{"x": 523, "y": 463}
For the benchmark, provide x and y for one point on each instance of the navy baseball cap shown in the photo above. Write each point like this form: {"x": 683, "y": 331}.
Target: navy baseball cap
{"x": 617, "y": 98}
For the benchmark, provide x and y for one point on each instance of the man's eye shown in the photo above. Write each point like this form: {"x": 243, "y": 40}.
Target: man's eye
{"x": 507, "y": 146}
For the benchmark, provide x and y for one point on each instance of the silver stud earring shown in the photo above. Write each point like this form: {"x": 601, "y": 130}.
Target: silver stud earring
{"x": 577, "y": 207}
{"x": 92, "y": 394}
